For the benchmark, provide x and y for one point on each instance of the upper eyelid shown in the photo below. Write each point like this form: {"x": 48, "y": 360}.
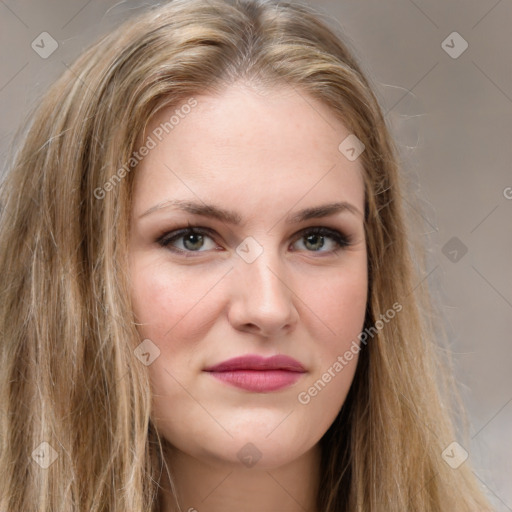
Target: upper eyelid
{"x": 209, "y": 231}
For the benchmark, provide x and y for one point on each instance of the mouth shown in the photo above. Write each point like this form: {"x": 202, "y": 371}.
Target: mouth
{"x": 258, "y": 374}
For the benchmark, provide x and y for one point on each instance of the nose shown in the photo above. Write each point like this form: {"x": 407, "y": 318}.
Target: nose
{"x": 263, "y": 298}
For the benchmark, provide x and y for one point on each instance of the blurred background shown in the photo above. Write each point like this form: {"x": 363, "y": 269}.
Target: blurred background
{"x": 443, "y": 74}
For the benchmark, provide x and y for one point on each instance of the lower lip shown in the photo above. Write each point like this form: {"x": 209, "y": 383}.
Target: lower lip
{"x": 258, "y": 380}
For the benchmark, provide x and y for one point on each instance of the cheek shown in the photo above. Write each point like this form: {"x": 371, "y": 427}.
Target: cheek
{"x": 154, "y": 301}
{"x": 341, "y": 306}
{"x": 172, "y": 306}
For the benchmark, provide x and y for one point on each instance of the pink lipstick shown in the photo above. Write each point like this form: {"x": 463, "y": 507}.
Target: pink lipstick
{"x": 258, "y": 374}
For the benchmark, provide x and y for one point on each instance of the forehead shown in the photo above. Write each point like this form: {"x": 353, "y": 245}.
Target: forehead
{"x": 244, "y": 145}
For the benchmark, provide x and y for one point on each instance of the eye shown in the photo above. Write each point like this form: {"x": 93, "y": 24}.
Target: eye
{"x": 194, "y": 239}
{"x": 191, "y": 239}
{"x": 321, "y": 239}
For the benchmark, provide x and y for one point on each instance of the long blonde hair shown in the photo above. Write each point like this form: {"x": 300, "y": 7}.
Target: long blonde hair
{"x": 68, "y": 372}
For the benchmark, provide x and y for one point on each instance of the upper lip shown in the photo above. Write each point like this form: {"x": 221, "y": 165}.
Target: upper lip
{"x": 256, "y": 362}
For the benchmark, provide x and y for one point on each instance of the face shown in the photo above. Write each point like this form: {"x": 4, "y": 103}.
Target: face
{"x": 248, "y": 274}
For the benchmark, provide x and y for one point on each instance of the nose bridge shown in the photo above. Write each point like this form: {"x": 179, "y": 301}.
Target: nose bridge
{"x": 265, "y": 274}
{"x": 263, "y": 297}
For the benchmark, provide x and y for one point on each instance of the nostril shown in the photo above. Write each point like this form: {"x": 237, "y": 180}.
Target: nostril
{"x": 250, "y": 327}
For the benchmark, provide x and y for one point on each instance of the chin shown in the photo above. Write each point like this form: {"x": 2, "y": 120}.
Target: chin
{"x": 253, "y": 444}
{"x": 249, "y": 452}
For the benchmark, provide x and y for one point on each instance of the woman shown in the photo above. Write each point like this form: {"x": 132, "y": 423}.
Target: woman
{"x": 210, "y": 302}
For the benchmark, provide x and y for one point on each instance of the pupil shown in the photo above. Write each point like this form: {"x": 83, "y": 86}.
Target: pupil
{"x": 190, "y": 238}
{"x": 313, "y": 237}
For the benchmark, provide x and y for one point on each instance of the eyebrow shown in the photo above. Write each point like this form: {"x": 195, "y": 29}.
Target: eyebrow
{"x": 231, "y": 217}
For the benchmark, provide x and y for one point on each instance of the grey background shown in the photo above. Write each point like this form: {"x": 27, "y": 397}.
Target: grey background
{"x": 452, "y": 118}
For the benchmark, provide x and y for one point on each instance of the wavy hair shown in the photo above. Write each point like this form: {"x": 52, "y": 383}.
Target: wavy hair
{"x": 68, "y": 374}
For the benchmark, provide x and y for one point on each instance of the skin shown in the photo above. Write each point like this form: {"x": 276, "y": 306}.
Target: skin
{"x": 264, "y": 155}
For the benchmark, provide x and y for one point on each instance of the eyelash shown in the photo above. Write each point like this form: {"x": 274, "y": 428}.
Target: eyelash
{"x": 342, "y": 241}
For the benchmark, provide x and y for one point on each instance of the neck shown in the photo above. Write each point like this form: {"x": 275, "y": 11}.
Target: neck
{"x": 219, "y": 486}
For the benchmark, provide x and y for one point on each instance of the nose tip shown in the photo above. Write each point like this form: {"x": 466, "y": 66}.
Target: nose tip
{"x": 263, "y": 300}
